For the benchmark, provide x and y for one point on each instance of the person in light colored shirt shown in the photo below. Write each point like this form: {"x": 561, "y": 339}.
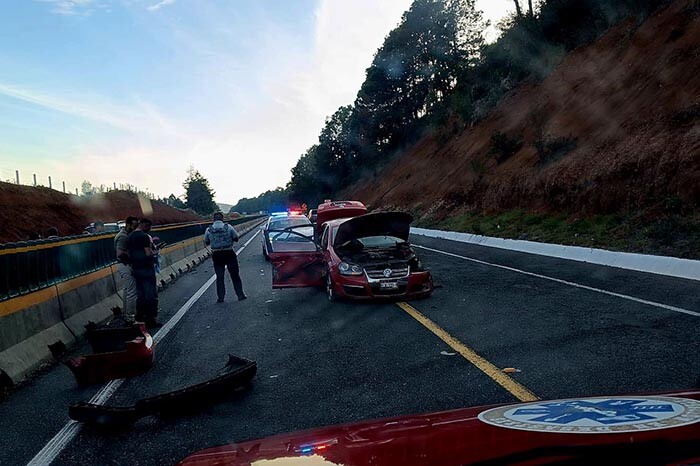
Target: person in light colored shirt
{"x": 220, "y": 237}
{"x": 124, "y": 269}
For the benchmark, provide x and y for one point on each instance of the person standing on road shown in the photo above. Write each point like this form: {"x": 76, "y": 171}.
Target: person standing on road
{"x": 220, "y": 237}
{"x": 143, "y": 270}
{"x": 124, "y": 268}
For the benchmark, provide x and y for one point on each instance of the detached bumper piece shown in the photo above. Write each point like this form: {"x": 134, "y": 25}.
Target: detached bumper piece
{"x": 235, "y": 376}
{"x": 119, "y": 352}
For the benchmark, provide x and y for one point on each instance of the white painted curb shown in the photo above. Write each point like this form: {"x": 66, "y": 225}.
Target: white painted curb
{"x": 661, "y": 265}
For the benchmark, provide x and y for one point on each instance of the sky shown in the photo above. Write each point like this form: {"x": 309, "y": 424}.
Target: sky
{"x": 136, "y": 91}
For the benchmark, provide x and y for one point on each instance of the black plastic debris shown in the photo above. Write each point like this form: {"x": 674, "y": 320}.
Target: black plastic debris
{"x": 104, "y": 339}
{"x": 236, "y": 375}
{"x": 57, "y": 349}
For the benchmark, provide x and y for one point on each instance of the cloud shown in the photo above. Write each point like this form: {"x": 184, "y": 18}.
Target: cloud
{"x": 160, "y": 5}
{"x": 71, "y": 7}
{"x": 251, "y": 118}
{"x": 347, "y": 35}
{"x": 139, "y": 117}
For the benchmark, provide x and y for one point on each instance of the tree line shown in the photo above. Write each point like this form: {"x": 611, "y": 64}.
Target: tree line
{"x": 435, "y": 68}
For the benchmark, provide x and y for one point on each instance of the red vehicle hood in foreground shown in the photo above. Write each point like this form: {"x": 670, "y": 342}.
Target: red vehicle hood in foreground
{"x": 659, "y": 429}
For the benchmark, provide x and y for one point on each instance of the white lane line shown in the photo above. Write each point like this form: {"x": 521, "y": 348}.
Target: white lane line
{"x": 64, "y": 436}
{"x": 558, "y": 280}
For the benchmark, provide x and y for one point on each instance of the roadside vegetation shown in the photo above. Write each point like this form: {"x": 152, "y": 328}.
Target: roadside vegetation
{"x": 551, "y": 133}
{"x": 435, "y": 71}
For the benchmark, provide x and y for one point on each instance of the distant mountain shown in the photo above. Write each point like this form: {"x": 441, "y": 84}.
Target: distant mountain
{"x": 224, "y": 207}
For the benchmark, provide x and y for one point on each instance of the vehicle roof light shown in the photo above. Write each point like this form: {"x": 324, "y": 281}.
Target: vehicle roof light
{"x": 279, "y": 214}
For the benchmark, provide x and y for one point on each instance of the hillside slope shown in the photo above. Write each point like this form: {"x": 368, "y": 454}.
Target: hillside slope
{"x": 24, "y": 209}
{"x": 617, "y": 125}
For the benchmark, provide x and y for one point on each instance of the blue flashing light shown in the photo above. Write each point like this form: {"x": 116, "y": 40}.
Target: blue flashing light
{"x": 306, "y": 450}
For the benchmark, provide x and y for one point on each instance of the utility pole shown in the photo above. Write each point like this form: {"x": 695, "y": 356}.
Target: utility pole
{"x": 35, "y": 180}
{"x": 17, "y": 175}
{"x": 50, "y": 182}
{"x": 76, "y": 191}
{"x": 64, "y": 186}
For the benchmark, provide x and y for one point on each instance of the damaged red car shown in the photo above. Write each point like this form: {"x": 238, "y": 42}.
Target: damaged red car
{"x": 361, "y": 258}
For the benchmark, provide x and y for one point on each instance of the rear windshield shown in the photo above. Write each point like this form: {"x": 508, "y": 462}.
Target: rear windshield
{"x": 282, "y": 223}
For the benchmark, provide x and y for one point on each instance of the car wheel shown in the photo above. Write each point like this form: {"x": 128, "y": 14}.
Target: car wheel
{"x": 330, "y": 292}
{"x": 267, "y": 258}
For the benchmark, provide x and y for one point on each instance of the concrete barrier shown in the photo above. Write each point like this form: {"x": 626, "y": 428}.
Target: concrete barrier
{"x": 58, "y": 314}
{"x": 28, "y": 325}
{"x": 661, "y": 265}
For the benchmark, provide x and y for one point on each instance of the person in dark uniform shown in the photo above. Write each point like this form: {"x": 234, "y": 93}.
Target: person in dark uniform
{"x": 220, "y": 237}
{"x": 142, "y": 259}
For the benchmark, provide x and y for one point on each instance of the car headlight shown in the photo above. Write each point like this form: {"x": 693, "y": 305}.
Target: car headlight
{"x": 349, "y": 269}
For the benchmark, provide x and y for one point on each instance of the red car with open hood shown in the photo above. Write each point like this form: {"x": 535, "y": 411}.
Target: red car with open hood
{"x": 353, "y": 256}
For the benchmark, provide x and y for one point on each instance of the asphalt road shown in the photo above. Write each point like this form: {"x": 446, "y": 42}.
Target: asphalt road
{"x": 571, "y": 329}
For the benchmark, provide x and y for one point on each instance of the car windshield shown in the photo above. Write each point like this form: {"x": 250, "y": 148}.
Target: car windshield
{"x": 370, "y": 242}
{"x": 355, "y": 232}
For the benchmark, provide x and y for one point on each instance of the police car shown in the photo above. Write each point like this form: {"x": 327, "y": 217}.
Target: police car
{"x": 282, "y": 225}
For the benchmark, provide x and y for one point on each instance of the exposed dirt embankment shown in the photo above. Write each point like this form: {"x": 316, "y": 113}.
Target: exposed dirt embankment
{"x": 24, "y": 209}
{"x": 615, "y": 128}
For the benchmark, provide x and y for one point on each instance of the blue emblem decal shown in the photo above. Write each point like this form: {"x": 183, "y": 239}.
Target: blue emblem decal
{"x": 605, "y": 412}
{"x": 597, "y": 415}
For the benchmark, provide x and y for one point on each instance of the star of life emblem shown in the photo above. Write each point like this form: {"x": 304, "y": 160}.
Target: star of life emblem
{"x": 596, "y": 415}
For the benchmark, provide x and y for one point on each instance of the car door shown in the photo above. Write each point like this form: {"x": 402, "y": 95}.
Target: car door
{"x": 295, "y": 258}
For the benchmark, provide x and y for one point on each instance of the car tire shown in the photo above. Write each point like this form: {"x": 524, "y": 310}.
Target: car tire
{"x": 330, "y": 291}
{"x": 267, "y": 258}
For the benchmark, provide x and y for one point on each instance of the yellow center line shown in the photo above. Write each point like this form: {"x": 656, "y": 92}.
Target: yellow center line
{"x": 493, "y": 372}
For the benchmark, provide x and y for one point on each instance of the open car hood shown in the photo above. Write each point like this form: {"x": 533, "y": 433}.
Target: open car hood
{"x": 397, "y": 224}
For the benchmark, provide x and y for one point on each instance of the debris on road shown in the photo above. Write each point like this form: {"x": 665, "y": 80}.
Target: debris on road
{"x": 119, "y": 352}
{"x": 236, "y": 375}
{"x": 445, "y": 353}
{"x": 511, "y": 370}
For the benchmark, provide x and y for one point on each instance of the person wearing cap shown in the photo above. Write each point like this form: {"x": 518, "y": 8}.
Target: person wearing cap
{"x": 220, "y": 237}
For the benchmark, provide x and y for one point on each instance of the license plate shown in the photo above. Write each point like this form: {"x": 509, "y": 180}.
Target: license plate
{"x": 389, "y": 286}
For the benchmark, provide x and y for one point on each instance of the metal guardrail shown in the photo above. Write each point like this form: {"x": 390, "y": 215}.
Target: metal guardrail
{"x": 29, "y": 266}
